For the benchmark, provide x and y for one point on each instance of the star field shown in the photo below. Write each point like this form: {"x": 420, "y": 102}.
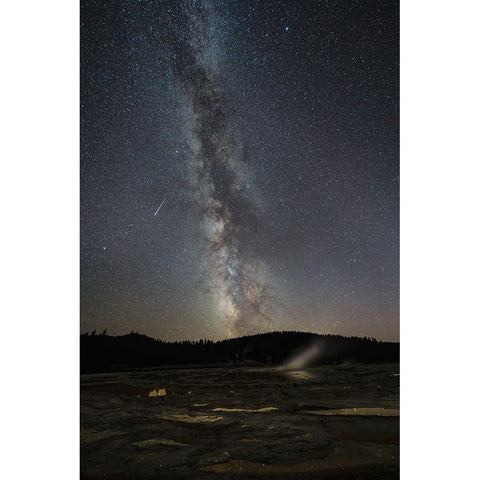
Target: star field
{"x": 271, "y": 129}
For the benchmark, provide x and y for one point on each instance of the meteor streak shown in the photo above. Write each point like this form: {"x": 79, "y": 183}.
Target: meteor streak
{"x": 160, "y": 206}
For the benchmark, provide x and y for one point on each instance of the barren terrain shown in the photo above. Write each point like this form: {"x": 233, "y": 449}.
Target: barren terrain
{"x": 230, "y": 422}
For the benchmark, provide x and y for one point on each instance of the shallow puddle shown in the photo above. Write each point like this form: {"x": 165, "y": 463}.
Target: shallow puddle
{"x": 158, "y": 441}
{"x": 191, "y": 419}
{"x": 303, "y": 375}
{"x": 378, "y": 412}
{"x": 247, "y": 410}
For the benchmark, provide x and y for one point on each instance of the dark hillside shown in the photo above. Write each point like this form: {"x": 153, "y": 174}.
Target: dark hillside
{"x": 102, "y": 353}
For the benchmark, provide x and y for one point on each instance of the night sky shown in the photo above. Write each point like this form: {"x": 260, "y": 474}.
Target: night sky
{"x": 270, "y": 132}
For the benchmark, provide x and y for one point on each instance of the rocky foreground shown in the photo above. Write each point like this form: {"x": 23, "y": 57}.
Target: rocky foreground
{"x": 241, "y": 423}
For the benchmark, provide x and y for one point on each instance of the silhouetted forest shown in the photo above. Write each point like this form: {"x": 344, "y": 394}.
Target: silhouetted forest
{"x": 103, "y": 353}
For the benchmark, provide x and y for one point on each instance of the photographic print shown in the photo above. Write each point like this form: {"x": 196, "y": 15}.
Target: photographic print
{"x": 239, "y": 222}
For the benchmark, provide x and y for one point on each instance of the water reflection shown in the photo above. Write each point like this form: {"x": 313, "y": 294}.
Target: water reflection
{"x": 364, "y": 411}
{"x": 304, "y": 375}
{"x": 191, "y": 418}
{"x": 247, "y": 410}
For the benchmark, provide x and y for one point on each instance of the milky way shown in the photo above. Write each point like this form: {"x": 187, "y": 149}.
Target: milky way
{"x": 230, "y": 219}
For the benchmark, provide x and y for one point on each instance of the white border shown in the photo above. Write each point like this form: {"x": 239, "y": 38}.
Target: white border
{"x": 439, "y": 238}
{"x": 40, "y": 239}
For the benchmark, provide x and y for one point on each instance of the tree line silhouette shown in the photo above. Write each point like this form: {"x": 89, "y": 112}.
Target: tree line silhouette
{"x": 104, "y": 353}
